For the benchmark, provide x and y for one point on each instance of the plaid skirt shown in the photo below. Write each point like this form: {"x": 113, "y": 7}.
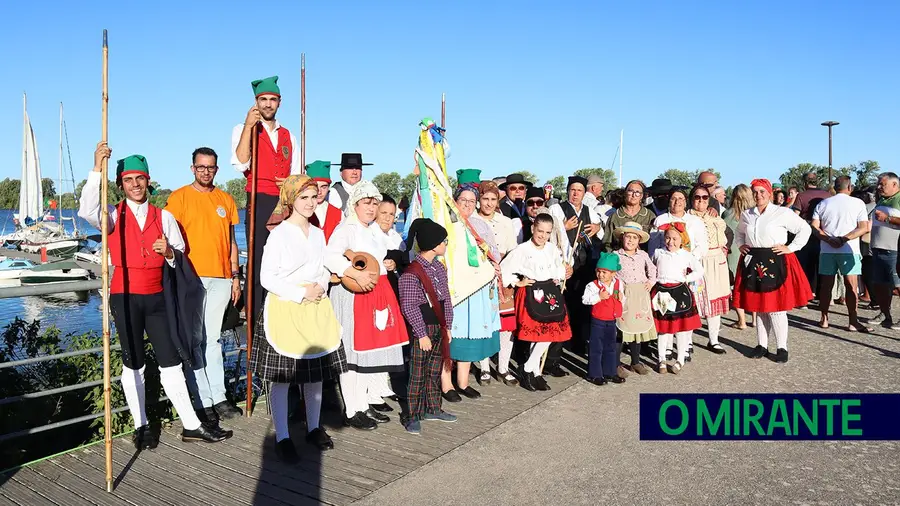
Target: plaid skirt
{"x": 268, "y": 365}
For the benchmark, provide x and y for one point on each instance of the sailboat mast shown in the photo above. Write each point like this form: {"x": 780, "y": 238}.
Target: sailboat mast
{"x": 59, "y": 188}
{"x": 621, "y": 153}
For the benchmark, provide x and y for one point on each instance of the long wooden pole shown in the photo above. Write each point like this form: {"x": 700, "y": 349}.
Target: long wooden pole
{"x": 303, "y": 113}
{"x": 443, "y": 110}
{"x": 104, "y": 269}
{"x": 251, "y": 278}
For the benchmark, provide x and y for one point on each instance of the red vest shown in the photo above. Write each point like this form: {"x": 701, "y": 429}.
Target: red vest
{"x": 131, "y": 252}
{"x": 332, "y": 220}
{"x": 271, "y": 161}
{"x": 611, "y": 308}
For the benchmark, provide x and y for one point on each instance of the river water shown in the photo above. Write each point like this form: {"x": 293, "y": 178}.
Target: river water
{"x": 70, "y": 313}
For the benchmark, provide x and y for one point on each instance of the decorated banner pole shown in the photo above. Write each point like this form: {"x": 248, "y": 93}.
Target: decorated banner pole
{"x": 104, "y": 268}
{"x": 248, "y": 307}
{"x": 444, "y": 111}
{"x": 303, "y": 113}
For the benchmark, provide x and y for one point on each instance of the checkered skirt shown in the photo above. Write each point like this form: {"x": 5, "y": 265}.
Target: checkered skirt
{"x": 268, "y": 365}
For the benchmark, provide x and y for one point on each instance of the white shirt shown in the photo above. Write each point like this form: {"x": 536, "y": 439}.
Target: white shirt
{"x": 557, "y": 211}
{"x": 838, "y": 216}
{"x": 354, "y": 236}
{"x": 89, "y": 210}
{"x": 334, "y": 198}
{"x": 672, "y": 267}
{"x": 598, "y": 211}
{"x": 292, "y": 259}
{"x": 591, "y": 294}
{"x": 504, "y": 233}
{"x": 391, "y": 239}
{"x": 527, "y": 260}
{"x": 696, "y": 231}
{"x": 273, "y": 136}
{"x": 770, "y": 228}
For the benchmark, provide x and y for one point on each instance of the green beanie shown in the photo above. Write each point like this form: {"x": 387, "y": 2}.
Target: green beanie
{"x": 319, "y": 170}
{"x": 268, "y": 85}
{"x": 468, "y": 176}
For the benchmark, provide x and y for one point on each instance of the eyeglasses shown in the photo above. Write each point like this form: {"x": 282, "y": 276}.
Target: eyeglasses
{"x": 534, "y": 203}
{"x": 635, "y": 192}
{"x": 701, "y": 197}
{"x": 206, "y": 168}
{"x": 467, "y": 201}
{"x": 516, "y": 188}
{"x": 445, "y": 241}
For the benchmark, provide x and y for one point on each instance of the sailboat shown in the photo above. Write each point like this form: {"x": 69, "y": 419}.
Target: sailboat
{"x": 39, "y": 231}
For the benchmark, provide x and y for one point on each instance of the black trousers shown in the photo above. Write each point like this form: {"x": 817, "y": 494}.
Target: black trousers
{"x": 136, "y": 314}
{"x": 809, "y": 259}
{"x": 265, "y": 204}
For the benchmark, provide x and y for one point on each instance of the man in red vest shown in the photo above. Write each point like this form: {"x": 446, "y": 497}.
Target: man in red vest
{"x": 142, "y": 239}
{"x": 327, "y": 217}
{"x": 278, "y": 156}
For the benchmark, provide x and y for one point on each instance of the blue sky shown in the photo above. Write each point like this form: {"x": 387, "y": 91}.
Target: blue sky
{"x": 540, "y": 86}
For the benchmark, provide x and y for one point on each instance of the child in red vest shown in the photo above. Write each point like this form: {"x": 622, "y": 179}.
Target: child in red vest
{"x": 606, "y": 297}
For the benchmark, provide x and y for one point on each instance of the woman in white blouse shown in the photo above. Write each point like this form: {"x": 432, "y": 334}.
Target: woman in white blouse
{"x": 374, "y": 331}
{"x": 769, "y": 279}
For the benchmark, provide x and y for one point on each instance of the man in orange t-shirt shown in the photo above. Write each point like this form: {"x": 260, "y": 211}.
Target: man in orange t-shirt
{"x": 207, "y": 216}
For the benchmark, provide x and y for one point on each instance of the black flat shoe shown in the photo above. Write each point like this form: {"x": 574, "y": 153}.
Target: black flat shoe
{"x": 227, "y": 411}
{"x": 615, "y": 379}
{"x": 718, "y": 349}
{"x": 758, "y": 352}
{"x": 596, "y": 381}
{"x": 203, "y": 435}
{"x": 541, "y": 384}
{"x": 451, "y": 396}
{"x": 381, "y": 408}
{"x": 320, "y": 439}
{"x": 145, "y": 438}
{"x": 285, "y": 451}
{"x": 378, "y": 417}
{"x": 558, "y": 372}
{"x": 528, "y": 382}
{"x": 360, "y": 421}
{"x": 781, "y": 356}
{"x": 470, "y": 392}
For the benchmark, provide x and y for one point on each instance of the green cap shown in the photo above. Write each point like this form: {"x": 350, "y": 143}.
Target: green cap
{"x": 134, "y": 164}
{"x": 267, "y": 85}
{"x": 468, "y": 176}
{"x": 777, "y": 186}
{"x": 319, "y": 170}
{"x": 609, "y": 261}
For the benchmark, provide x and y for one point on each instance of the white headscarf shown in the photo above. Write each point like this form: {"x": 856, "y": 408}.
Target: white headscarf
{"x": 362, "y": 190}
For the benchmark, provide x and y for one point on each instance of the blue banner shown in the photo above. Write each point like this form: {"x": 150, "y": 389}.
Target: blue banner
{"x": 781, "y": 417}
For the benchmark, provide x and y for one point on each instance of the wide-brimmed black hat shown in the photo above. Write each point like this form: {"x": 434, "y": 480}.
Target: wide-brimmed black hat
{"x": 660, "y": 186}
{"x": 351, "y": 161}
{"x": 515, "y": 179}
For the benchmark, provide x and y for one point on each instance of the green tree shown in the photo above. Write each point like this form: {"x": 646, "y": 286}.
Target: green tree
{"x": 794, "y": 175}
{"x": 160, "y": 198}
{"x": 9, "y": 193}
{"x": 528, "y": 176}
{"x": 388, "y": 183}
{"x": 236, "y": 188}
{"x": 408, "y": 185}
{"x": 866, "y": 173}
{"x": 678, "y": 177}
{"x": 48, "y": 188}
{"x": 558, "y": 183}
{"x": 608, "y": 176}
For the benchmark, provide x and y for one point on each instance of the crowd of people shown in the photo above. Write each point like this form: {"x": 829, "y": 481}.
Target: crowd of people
{"x": 341, "y": 297}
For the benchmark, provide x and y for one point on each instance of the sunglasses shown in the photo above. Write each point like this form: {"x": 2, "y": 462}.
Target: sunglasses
{"x": 701, "y": 197}
{"x": 515, "y": 188}
{"x": 534, "y": 203}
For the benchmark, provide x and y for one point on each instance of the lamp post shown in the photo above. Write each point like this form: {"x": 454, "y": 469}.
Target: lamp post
{"x": 830, "y": 124}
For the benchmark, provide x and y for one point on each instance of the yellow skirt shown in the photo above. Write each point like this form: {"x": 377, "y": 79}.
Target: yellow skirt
{"x": 301, "y": 331}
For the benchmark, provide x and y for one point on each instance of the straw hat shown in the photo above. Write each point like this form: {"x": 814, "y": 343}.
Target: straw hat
{"x": 632, "y": 227}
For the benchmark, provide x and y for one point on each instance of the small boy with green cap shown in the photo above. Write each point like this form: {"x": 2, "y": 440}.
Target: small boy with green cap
{"x": 607, "y": 299}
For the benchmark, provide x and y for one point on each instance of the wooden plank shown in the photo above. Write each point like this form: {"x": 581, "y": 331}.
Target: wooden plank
{"x": 93, "y": 477}
{"x": 95, "y": 464}
{"x": 22, "y": 494}
{"x": 46, "y": 488}
{"x": 95, "y": 493}
{"x": 5, "y": 501}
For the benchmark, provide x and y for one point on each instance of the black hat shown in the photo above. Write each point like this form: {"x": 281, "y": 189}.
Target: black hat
{"x": 660, "y": 186}
{"x": 577, "y": 179}
{"x": 427, "y": 233}
{"x": 515, "y": 179}
{"x": 351, "y": 161}
{"x": 534, "y": 193}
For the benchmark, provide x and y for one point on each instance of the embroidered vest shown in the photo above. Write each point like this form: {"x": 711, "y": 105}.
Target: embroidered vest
{"x": 271, "y": 161}
{"x": 611, "y": 308}
{"x": 138, "y": 269}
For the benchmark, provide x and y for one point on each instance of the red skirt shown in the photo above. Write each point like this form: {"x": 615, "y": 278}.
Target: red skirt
{"x": 535, "y": 331}
{"x": 793, "y": 293}
{"x": 377, "y": 321}
{"x": 687, "y": 320}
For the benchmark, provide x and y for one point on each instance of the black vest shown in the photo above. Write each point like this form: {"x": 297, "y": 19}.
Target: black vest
{"x": 584, "y": 252}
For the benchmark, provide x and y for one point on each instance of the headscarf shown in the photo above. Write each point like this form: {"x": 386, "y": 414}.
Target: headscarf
{"x": 291, "y": 189}
{"x": 472, "y": 187}
{"x": 763, "y": 183}
{"x": 490, "y": 187}
{"x": 362, "y": 190}
{"x": 682, "y": 230}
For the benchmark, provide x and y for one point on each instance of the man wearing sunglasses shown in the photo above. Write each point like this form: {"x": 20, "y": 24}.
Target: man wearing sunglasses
{"x": 534, "y": 201}
{"x": 515, "y": 187}
{"x": 710, "y": 180}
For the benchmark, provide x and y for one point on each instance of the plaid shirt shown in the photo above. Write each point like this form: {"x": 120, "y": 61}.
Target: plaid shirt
{"x": 412, "y": 295}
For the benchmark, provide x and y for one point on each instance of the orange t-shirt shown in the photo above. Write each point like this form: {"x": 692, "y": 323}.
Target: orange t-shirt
{"x": 206, "y": 219}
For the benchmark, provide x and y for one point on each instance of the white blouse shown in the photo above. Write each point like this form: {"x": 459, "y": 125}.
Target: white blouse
{"x": 528, "y": 261}
{"x": 591, "y": 294}
{"x": 672, "y": 267}
{"x": 770, "y": 228}
{"x": 502, "y": 227}
{"x": 355, "y": 236}
{"x": 291, "y": 259}
{"x": 696, "y": 231}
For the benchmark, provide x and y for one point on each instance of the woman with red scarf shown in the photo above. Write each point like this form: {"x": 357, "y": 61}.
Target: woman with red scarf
{"x": 769, "y": 279}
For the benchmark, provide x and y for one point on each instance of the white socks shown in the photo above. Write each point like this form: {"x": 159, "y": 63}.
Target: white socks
{"x": 312, "y": 396}
{"x": 772, "y": 323}
{"x": 353, "y": 389}
{"x": 533, "y": 364}
{"x": 506, "y": 349}
{"x": 713, "y": 325}
{"x": 683, "y": 341}
{"x": 664, "y": 344}
{"x": 172, "y": 379}
{"x": 485, "y": 365}
{"x": 133, "y": 387}
{"x": 278, "y": 401}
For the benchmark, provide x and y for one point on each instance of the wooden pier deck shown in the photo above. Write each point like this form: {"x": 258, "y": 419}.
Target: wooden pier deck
{"x": 244, "y": 469}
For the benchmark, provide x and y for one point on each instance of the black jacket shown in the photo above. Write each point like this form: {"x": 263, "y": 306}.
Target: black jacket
{"x": 184, "y": 294}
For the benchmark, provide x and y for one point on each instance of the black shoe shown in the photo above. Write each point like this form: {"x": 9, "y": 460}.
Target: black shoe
{"x": 320, "y": 439}
{"x": 227, "y": 411}
{"x": 286, "y": 451}
{"x": 451, "y": 396}
{"x": 145, "y": 438}
{"x": 378, "y": 417}
{"x": 207, "y": 415}
{"x": 557, "y": 372}
{"x": 615, "y": 379}
{"x": 687, "y": 358}
{"x": 203, "y": 434}
{"x": 758, "y": 352}
{"x": 597, "y": 381}
{"x": 470, "y": 392}
{"x": 541, "y": 384}
{"x": 717, "y": 348}
{"x": 381, "y": 408}
{"x": 360, "y": 421}
{"x": 528, "y": 382}
{"x": 781, "y": 356}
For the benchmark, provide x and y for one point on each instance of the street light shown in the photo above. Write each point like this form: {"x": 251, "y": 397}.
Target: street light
{"x": 830, "y": 124}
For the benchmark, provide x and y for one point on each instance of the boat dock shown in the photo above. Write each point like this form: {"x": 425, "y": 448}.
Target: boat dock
{"x": 36, "y": 257}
